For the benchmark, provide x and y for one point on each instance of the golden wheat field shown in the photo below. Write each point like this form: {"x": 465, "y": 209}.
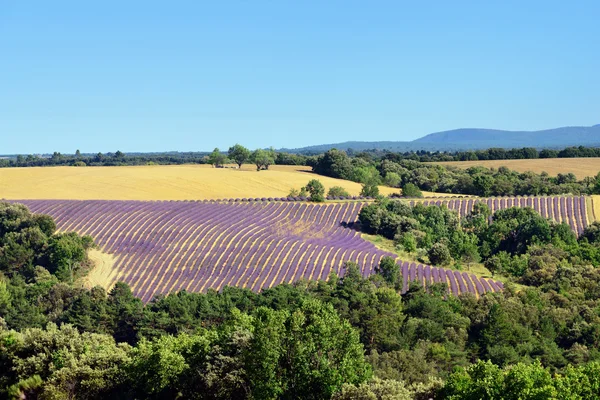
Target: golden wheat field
{"x": 581, "y": 167}
{"x": 160, "y": 182}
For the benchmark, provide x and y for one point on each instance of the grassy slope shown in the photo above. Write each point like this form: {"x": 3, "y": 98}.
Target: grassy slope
{"x": 474, "y": 268}
{"x": 581, "y": 167}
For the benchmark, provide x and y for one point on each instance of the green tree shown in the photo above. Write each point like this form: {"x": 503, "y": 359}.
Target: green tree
{"x": 334, "y": 163}
{"x": 66, "y": 253}
{"x": 483, "y": 184}
{"x": 411, "y": 190}
{"x": 62, "y": 363}
{"x": 316, "y": 190}
{"x": 216, "y": 158}
{"x": 370, "y": 189}
{"x": 263, "y": 158}
{"x": 392, "y": 179}
{"x": 239, "y": 154}
{"x": 389, "y": 269}
{"x": 322, "y": 352}
{"x": 337, "y": 191}
{"x": 439, "y": 254}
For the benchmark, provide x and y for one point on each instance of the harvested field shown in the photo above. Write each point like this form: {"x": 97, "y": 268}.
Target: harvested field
{"x": 161, "y": 182}
{"x": 581, "y": 167}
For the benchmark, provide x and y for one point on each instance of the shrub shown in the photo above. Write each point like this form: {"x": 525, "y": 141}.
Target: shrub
{"x": 411, "y": 190}
{"x": 337, "y": 191}
{"x": 439, "y": 254}
{"x": 369, "y": 189}
{"x": 316, "y": 190}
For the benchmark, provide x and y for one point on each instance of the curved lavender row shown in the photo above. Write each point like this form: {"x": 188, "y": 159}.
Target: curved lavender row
{"x": 166, "y": 246}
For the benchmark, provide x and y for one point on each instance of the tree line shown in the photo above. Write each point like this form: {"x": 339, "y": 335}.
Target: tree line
{"x": 237, "y": 154}
{"x": 480, "y": 181}
{"x": 494, "y": 153}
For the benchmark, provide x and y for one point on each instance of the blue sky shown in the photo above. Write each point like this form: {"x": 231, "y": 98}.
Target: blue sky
{"x": 191, "y": 76}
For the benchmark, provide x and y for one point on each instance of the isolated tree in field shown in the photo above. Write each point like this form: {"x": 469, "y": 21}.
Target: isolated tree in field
{"x": 316, "y": 190}
{"x": 411, "y": 190}
{"x": 337, "y": 191}
{"x": 239, "y": 154}
{"x": 216, "y": 158}
{"x": 263, "y": 158}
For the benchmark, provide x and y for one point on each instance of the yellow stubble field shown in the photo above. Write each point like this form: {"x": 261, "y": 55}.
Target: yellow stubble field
{"x": 158, "y": 182}
{"x": 581, "y": 167}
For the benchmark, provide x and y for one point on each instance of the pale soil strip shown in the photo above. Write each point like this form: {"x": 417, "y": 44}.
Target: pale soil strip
{"x": 103, "y": 273}
{"x": 595, "y": 208}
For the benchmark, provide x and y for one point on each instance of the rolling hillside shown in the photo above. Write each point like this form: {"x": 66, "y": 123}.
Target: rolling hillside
{"x": 474, "y": 138}
{"x": 163, "y": 182}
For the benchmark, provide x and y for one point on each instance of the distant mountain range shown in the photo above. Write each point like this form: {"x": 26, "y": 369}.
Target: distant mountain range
{"x": 474, "y": 138}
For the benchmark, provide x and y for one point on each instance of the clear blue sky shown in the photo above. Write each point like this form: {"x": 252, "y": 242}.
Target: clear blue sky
{"x": 190, "y": 76}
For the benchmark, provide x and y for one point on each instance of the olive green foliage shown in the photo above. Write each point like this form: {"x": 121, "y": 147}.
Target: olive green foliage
{"x": 28, "y": 240}
{"x": 298, "y": 193}
{"x": 439, "y": 254}
{"x": 435, "y": 229}
{"x": 485, "y": 380}
{"x": 316, "y": 190}
{"x": 217, "y": 159}
{"x": 239, "y": 154}
{"x": 337, "y": 191}
{"x": 389, "y": 389}
{"x": 392, "y": 179}
{"x": 516, "y": 242}
{"x": 410, "y": 190}
{"x": 263, "y": 158}
{"x": 61, "y": 363}
{"x": 389, "y": 269}
{"x": 370, "y": 189}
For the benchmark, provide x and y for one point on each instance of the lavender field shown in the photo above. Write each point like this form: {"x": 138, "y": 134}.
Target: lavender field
{"x": 162, "y": 247}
